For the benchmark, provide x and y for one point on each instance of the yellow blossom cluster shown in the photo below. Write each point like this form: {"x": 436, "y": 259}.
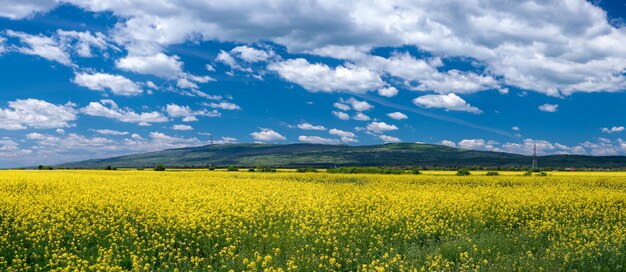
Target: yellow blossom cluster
{"x": 224, "y": 221}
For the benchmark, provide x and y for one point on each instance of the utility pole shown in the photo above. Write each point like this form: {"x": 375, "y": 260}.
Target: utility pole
{"x": 534, "y": 156}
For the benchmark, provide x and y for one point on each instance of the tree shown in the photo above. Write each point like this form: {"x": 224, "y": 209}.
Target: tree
{"x": 159, "y": 167}
{"x": 463, "y": 172}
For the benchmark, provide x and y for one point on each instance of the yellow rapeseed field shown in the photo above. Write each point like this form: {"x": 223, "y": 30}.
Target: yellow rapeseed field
{"x": 201, "y": 220}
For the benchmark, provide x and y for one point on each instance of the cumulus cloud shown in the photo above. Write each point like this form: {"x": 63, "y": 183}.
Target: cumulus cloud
{"x": 380, "y": 127}
{"x": 515, "y": 128}
{"x": 317, "y": 140}
{"x": 553, "y": 47}
{"x": 34, "y": 113}
{"x": 358, "y": 105}
{"x": 224, "y": 105}
{"x": 359, "y": 116}
{"x": 267, "y": 135}
{"x": 187, "y": 114}
{"x": 613, "y": 129}
{"x": 42, "y": 46}
{"x": 341, "y": 133}
{"x": 389, "y": 139}
{"x": 448, "y": 143}
{"x": 318, "y": 77}
{"x": 449, "y": 102}
{"x": 113, "y": 111}
{"x": 117, "y": 84}
{"x": 111, "y": 132}
{"x": 182, "y": 127}
{"x": 341, "y": 106}
{"x": 549, "y": 107}
{"x": 397, "y": 115}
{"x": 308, "y": 126}
{"x": 388, "y": 91}
{"x": 160, "y": 65}
{"x": 83, "y": 42}
{"x": 341, "y": 115}
{"x": 478, "y": 144}
{"x": 250, "y": 54}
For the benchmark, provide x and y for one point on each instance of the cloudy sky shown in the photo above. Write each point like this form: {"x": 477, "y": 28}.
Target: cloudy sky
{"x": 88, "y": 79}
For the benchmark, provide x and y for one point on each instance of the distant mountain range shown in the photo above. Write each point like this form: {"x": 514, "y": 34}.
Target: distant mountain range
{"x": 317, "y": 155}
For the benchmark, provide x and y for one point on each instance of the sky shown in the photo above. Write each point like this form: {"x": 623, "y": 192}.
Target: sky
{"x": 93, "y": 79}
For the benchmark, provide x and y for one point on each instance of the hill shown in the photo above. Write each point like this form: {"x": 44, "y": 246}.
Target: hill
{"x": 316, "y": 155}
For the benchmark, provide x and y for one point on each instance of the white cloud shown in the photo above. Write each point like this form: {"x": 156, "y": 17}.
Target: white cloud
{"x": 358, "y": 105}
{"x": 320, "y": 77}
{"x": 267, "y": 135}
{"x": 42, "y": 46}
{"x": 341, "y": 106}
{"x": 34, "y": 113}
{"x": 613, "y": 129}
{"x": 117, "y": 84}
{"x": 113, "y": 111}
{"x": 448, "y": 143}
{"x": 161, "y": 65}
{"x": 317, "y": 140}
{"x": 182, "y": 127}
{"x": 83, "y": 42}
{"x": 549, "y": 107}
{"x": 341, "y": 133}
{"x": 388, "y": 91}
{"x": 307, "y": 126}
{"x": 515, "y": 128}
{"x": 250, "y": 54}
{"x": 478, "y": 144}
{"x": 553, "y": 47}
{"x": 224, "y": 105}
{"x": 22, "y": 8}
{"x": 341, "y": 115}
{"x": 187, "y": 114}
{"x": 445, "y": 101}
{"x": 380, "y": 127}
{"x": 397, "y": 115}
{"x": 111, "y": 132}
{"x": 359, "y": 116}
{"x": 389, "y": 139}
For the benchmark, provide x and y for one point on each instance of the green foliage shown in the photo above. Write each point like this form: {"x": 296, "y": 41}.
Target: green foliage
{"x": 140, "y": 169}
{"x": 365, "y": 170}
{"x": 159, "y": 167}
{"x": 251, "y": 170}
{"x": 266, "y": 170}
{"x": 232, "y": 168}
{"x": 542, "y": 174}
{"x": 306, "y": 170}
{"x": 110, "y": 168}
{"x": 211, "y": 168}
{"x": 415, "y": 171}
{"x": 492, "y": 173}
{"x": 463, "y": 172}
{"x": 45, "y": 167}
{"x": 527, "y": 174}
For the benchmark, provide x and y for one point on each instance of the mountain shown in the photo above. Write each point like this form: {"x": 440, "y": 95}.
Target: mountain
{"x": 317, "y": 155}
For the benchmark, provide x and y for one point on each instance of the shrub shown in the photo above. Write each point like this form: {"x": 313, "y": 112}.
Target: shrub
{"x": 140, "y": 169}
{"x": 415, "y": 171}
{"x": 45, "y": 167}
{"x": 232, "y": 168}
{"x": 492, "y": 173}
{"x": 267, "y": 170}
{"x": 527, "y": 174}
{"x": 463, "y": 172}
{"x": 159, "y": 167}
{"x": 542, "y": 174}
{"x": 365, "y": 170}
{"x": 251, "y": 170}
{"x": 306, "y": 170}
{"x": 211, "y": 168}
{"x": 110, "y": 168}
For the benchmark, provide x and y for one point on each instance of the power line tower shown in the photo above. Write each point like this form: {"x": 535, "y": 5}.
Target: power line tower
{"x": 534, "y": 156}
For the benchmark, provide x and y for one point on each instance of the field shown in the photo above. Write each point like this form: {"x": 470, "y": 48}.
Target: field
{"x": 201, "y": 220}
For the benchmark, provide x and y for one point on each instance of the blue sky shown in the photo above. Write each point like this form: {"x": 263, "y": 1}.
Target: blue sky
{"x": 92, "y": 79}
